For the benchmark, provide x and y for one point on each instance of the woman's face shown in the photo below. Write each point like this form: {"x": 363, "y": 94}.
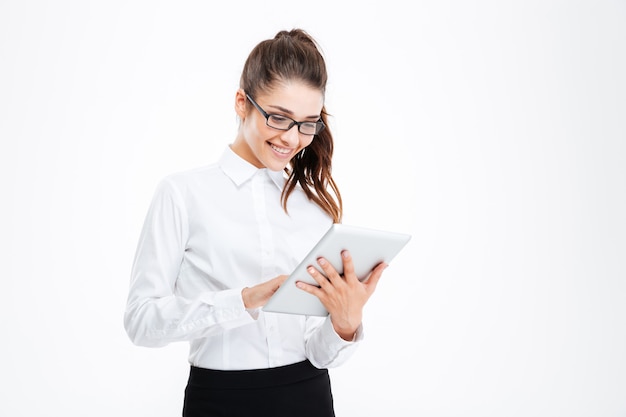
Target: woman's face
{"x": 265, "y": 147}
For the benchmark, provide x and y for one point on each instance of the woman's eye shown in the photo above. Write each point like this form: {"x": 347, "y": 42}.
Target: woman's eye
{"x": 279, "y": 119}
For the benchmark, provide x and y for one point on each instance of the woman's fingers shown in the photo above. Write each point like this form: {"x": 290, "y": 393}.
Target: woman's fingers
{"x": 340, "y": 289}
{"x": 348, "y": 266}
{"x": 343, "y": 295}
{"x": 312, "y": 289}
{"x": 330, "y": 274}
{"x": 258, "y": 295}
{"x": 374, "y": 277}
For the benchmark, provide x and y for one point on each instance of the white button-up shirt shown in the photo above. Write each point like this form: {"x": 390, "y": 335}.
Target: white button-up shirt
{"x": 209, "y": 233}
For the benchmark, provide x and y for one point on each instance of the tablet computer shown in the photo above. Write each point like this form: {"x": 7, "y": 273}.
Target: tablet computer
{"x": 368, "y": 248}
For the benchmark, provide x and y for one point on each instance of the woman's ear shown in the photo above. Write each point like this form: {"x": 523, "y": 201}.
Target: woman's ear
{"x": 240, "y": 103}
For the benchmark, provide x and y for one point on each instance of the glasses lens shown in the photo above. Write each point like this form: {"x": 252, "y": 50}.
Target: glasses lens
{"x": 278, "y": 122}
{"x": 309, "y": 128}
{"x": 285, "y": 123}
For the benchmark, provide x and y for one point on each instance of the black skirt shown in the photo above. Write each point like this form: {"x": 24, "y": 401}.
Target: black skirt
{"x": 294, "y": 390}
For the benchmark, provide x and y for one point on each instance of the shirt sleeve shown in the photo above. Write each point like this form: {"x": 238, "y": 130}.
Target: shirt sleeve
{"x": 324, "y": 347}
{"x": 154, "y": 315}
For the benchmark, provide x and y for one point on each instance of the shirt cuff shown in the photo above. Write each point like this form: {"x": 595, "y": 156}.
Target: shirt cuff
{"x": 227, "y": 299}
{"x": 233, "y": 299}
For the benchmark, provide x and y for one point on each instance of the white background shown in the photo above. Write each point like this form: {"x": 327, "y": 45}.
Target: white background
{"x": 493, "y": 131}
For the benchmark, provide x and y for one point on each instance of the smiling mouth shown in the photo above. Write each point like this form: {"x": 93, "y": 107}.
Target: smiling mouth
{"x": 283, "y": 151}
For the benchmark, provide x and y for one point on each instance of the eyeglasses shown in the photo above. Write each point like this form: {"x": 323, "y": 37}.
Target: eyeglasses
{"x": 277, "y": 121}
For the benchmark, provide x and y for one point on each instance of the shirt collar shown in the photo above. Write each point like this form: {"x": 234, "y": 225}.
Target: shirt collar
{"x": 239, "y": 170}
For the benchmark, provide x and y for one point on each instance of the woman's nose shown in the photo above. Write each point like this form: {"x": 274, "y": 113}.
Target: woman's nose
{"x": 291, "y": 137}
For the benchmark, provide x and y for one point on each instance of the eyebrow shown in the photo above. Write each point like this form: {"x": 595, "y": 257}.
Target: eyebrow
{"x": 290, "y": 113}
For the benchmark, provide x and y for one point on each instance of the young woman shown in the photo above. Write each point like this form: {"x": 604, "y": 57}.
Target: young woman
{"x": 219, "y": 240}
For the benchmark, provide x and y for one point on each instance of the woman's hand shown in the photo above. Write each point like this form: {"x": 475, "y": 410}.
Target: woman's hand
{"x": 343, "y": 296}
{"x": 257, "y": 296}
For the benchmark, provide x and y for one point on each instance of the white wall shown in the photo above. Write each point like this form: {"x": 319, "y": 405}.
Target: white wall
{"x": 493, "y": 131}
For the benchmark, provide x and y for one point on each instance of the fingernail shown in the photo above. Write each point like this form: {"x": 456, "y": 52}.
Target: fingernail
{"x": 322, "y": 261}
{"x": 345, "y": 254}
{"x": 311, "y": 270}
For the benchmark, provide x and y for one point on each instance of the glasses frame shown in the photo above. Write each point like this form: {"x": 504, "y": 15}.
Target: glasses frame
{"x": 320, "y": 124}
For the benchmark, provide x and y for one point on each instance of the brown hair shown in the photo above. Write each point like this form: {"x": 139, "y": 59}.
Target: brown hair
{"x": 294, "y": 55}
